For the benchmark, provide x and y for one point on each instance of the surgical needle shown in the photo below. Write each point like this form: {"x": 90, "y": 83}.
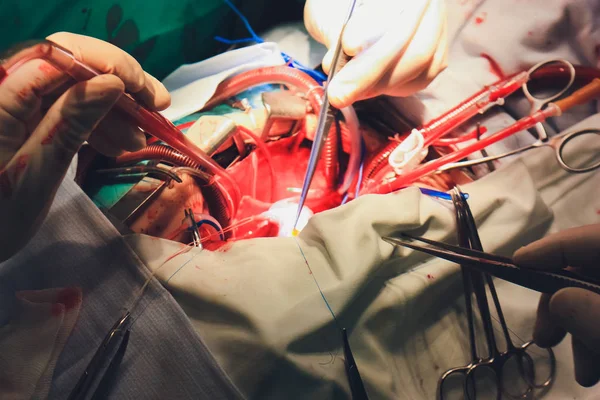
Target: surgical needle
{"x": 326, "y": 118}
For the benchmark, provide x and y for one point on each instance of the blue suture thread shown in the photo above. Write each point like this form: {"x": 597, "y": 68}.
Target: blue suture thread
{"x": 255, "y": 37}
{"x": 316, "y": 75}
{"x": 180, "y": 268}
{"x": 317, "y": 283}
{"x": 214, "y": 225}
{"x": 233, "y": 41}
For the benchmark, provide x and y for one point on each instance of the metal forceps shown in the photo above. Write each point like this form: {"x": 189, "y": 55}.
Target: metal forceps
{"x": 326, "y": 117}
{"x": 119, "y": 334}
{"x": 474, "y": 282}
{"x": 537, "y": 102}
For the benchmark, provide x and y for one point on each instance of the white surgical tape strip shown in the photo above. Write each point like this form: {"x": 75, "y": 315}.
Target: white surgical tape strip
{"x": 409, "y": 153}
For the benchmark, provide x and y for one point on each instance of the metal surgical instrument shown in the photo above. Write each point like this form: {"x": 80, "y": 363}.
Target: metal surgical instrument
{"x": 502, "y": 267}
{"x": 118, "y": 334}
{"x": 326, "y": 117}
{"x": 193, "y": 228}
{"x": 560, "y": 145}
{"x": 475, "y": 281}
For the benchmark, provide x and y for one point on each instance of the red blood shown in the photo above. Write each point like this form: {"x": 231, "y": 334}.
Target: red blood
{"x": 69, "y": 297}
{"x": 152, "y": 214}
{"x": 2, "y": 74}
{"x": 481, "y": 19}
{"x": 47, "y": 68}
{"x": 429, "y": 276}
{"x": 5, "y": 185}
{"x": 52, "y": 133}
{"x": 23, "y": 94}
{"x": 20, "y": 166}
{"x": 494, "y": 67}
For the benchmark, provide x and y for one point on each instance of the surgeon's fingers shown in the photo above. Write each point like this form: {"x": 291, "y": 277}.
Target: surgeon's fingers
{"x": 109, "y": 59}
{"x": 361, "y": 32}
{"x": 405, "y": 52}
{"x": 116, "y": 134}
{"x": 578, "y": 311}
{"x": 547, "y": 332}
{"x": 20, "y": 100}
{"x": 32, "y": 177}
{"x": 154, "y": 94}
{"x": 22, "y": 90}
{"x": 438, "y": 63}
{"x": 576, "y": 247}
{"x": 587, "y": 363}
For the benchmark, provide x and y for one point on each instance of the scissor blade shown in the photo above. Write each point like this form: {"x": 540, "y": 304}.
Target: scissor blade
{"x": 460, "y": 250}
{"x": 540, "y": 281}
{"x": 449, "y": 255}
{"x": 357, "y": 388}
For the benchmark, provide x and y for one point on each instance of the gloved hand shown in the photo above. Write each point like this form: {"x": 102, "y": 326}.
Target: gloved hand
{"x": 45, "y": 118}
{"x": 399, "y": 46}
{"x": 572, "y": 310}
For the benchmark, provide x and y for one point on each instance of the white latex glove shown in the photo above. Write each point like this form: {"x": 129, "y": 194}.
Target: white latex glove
{"x": 572, "y": 310}
{"x": 44, "y": 119}
{"x": 399, "y": 46}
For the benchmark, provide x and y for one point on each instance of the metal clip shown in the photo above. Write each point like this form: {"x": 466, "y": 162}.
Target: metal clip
{"x": 282, "y": 105}
{"x": 210, "y": 132}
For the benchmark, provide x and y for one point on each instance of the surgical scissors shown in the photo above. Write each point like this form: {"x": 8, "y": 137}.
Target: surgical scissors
{"x": 503, "y": 267}
{"x": 326, "y": 117}
{"x": 560, "y": 145}
{"x": 119, "y": 333}
{"x": 384, "y": 184}
{"x": 536, "y": 104}
{"x": 474, "y": 281}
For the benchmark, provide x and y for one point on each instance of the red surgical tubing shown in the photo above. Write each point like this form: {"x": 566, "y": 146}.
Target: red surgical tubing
{"x": 400, "y": 181}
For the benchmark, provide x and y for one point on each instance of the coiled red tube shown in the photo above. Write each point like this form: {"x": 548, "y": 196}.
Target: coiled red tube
{"x": 331, "y": 160}
{"x": 217, "y": 204}
{"x": 380, "y": 160}
{"x": 157, "y": 152}
{"x": 224, "y": 207}
{"x": 289, "y": 77}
